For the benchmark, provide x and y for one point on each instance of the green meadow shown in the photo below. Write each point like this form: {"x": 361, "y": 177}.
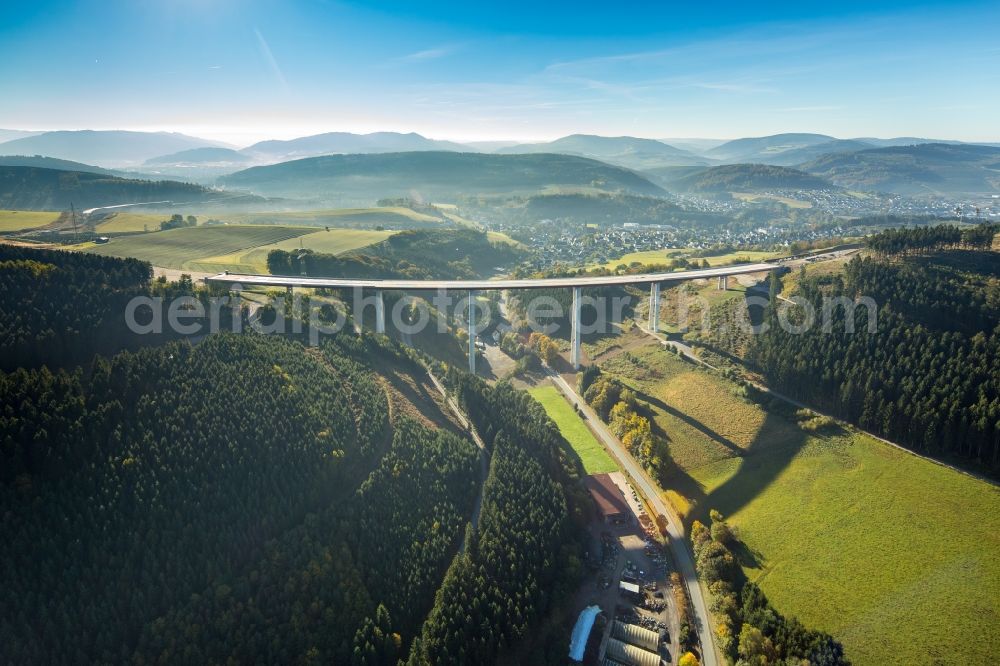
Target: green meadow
{"x": 179, "y": 248}
{"x": 240, "y": 249}
{"x": 16, "y": 220}
{"x": 649, "y": 257}
{"x": 896, "y": 556}
{"x": 595, "y": 459}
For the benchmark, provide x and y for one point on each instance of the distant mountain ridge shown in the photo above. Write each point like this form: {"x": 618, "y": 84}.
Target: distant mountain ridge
{"x": 758, "y": 149}
{"x": 107, "y": 148}
{"x": 802, "y": 154}
{"x": 205, "y": 154}
{"x": 11, "y": 134}
{"x": 435, "y": 176}
{"x": 630, "y": 152}
{"x": 348, "y": 143}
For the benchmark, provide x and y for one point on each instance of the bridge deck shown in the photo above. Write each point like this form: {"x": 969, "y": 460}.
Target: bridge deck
{"x": 465, "y": 285}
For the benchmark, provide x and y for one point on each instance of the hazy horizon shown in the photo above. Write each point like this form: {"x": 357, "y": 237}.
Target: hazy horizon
{"x": 240, "y": 73}
{"x": 292, "y": 133}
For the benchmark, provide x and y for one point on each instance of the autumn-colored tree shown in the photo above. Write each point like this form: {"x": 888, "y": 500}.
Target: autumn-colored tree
{"x": 688, "y": 659}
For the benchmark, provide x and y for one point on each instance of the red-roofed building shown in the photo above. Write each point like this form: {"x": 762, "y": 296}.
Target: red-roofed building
{"x": 611, "y": 504}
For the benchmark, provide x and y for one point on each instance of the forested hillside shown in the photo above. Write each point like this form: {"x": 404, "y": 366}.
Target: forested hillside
{"x": 31, "y": 188}
{"x": 61, "y": 306}
{"x": 747, "y": 177}
{"x": 208, "y": 503}
{"x": 523, "y": 561}
{"x": 251, "y": 500}
{"x": 928, "y": 168}
{"x": 433, "y": 176}
{"x": 927, "y": 378}
{"x": 417, "y": 255}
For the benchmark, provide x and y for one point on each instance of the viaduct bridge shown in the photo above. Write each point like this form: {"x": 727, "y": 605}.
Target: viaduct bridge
{"x": 472, "y": 287}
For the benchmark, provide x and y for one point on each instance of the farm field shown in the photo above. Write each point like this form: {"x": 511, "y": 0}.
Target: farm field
{"x": 131, "y": 222}
{"x": 663, "y": 256}
{"x": 334, "y": 241}
{"x": 15, "y": 220}
{"x": 910, "y": 565}
{"x": 399, "y": 215}
{"x": 595, "y": 459}
{"x": 181, "y": 248}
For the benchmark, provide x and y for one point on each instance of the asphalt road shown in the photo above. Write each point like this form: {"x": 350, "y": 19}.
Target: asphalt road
{"x": 675, "y": 533}
{"x": 465, "y": 285}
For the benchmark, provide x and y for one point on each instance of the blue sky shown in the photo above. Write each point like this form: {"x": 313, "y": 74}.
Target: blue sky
{"x": 241, "y": 71}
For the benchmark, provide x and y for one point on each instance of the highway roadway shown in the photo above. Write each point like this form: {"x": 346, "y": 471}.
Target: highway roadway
{"x": 675, "y": 533}
{"x": 479, "y": 285}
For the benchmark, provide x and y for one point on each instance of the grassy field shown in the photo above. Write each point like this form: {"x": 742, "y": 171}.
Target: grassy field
{"x": 179, "y": 248}
{"x": 663, "y": 256}
{"x": 15, "y": 220}
{"x": 897, "y": 557}
{"x": 332, "y": 217}
{"x": 595, "y": 459}
{"x": 500, "y": 237}
{"x": 790, "y": 281}
{"x": 334, "y": 241}
{"x": 131, "y": 222}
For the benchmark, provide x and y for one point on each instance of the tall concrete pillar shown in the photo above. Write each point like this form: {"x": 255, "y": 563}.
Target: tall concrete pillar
{"x": 654, "y": 307}
{"x": 379, "y": 312}
{"x": 472, "y": 331}
{"x": 574, "y": 356}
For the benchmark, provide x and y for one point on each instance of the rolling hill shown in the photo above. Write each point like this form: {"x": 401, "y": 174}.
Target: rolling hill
{"x": 931, "y": 168}
{"x": 764, "y": 148}
{"x": 111, "y": 148}
{"x": 31, "y": 188}
{"x": 795, "y": 156}
{"x": 204, "y": 155}
{"x": 11, "y": 134}
{"x": 747, "y": 177}
{"x": 627, "y": 151}
{"x": 52, "y": 163}
{"x": 434, "y": 176}
{"x": 346, "y": 142}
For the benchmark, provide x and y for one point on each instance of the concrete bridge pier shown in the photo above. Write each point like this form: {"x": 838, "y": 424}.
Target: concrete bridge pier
{"x": 654, "y": 307}
{"x": 723, "y": 283}
{"x": 472, "y": 331}
{"x": 379, "y": 312}
{"x": 574, "y": 356}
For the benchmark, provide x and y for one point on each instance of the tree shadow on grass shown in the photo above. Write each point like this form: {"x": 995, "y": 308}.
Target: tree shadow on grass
{"x": 691, "y": 421}
{"x": 748, "y": 558}
{"x": 761, "y": 464}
